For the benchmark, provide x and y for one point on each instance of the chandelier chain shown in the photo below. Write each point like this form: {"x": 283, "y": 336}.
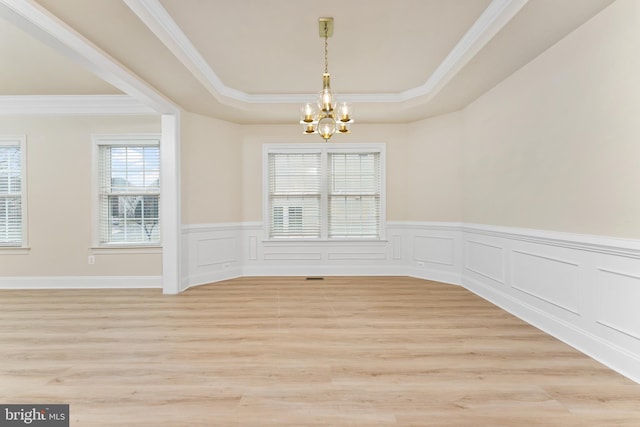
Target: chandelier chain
{"x": 326, "y": 48}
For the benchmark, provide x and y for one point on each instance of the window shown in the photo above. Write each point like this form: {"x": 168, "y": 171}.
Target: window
{"x": 128, "y": 181}
{"x": 12, "y": 192}
{"x": 324, "y": 192}
{"x": 354, "y": 195}
{"x": 294, "y": 195}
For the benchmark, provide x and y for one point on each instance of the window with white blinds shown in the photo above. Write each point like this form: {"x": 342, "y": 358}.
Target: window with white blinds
{"x": 128, "y": 191}
{"x": 354, "y": 195}
{"x": 12, "y": 191}
{"x": 294, "y": 195}
{"x": 324, "y": 192}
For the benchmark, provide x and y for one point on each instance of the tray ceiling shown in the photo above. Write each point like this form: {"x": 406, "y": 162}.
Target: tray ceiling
{"x": 252, "y": 61}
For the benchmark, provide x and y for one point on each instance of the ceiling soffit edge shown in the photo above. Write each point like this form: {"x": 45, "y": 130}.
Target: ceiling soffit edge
{"x": 82, "y": 105}
{"x": 158, "y": 20}
{"x": 43, "y": 25}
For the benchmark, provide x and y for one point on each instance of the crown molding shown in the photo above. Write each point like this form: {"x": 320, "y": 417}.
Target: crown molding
{"x": 37, "y": 21}
{"x": 46, "y": 27}
{"x": 158, "y": 20}
{"x": 492, "y": 20}
{"x": 56, "y": 105}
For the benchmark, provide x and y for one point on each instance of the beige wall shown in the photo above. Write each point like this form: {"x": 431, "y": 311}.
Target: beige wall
{"x": 434, "y": 179}
{"x": 556, "y": 145}
{"x": 59, "y": 194}
{"x": 211, "y": 170}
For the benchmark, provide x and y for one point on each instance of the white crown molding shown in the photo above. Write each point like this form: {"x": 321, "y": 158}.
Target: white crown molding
{"x": 83, "y": 105}
{"x": 158, "y": 20}
{"x": 494, "y": 17}
{"x": 40, "y": 23}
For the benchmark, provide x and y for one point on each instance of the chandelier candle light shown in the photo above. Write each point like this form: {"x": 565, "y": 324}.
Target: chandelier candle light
{"x": 327, "y": 118}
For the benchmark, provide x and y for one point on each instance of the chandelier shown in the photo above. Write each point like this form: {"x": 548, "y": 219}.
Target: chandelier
{"x": 328, "y": 117}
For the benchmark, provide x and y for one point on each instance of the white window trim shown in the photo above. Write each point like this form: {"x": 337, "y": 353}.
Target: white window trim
{"x": 323, "y": 148}
{"x": 115, "y": 139}
{"x": 20, "y": 140}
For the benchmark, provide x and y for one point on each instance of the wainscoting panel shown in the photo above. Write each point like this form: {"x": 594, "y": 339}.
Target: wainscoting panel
{"x": 437, "y": 250}
{"x": 215, "y": 251}
{"x": 292, "y": 256}
{"x": 397, "y": 247}
{"x": 356, "y": 256}
{"x": 485, "y": 259}
{"x": 430, "y": 250}
{"x": 551, "y": 280}
{"x": 618, "y": 298}
{"x": 584, "y": 290}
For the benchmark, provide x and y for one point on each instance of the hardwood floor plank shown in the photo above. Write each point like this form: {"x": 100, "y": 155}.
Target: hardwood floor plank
{"x": 284, "y": 351}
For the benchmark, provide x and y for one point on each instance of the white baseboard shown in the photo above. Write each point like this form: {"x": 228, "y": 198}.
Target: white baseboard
{"x": 322, "y": 270}
{"x": 434, "y": 275}
{"x": 212, "y": 277}
{"x": 81, "y": 282}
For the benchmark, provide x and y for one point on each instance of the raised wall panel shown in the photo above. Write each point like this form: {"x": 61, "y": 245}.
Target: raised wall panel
{"x": 437, "y": 250}
{"x": 551, "y": 280}
{"x": 618, "y": 301}
{"x": 356, "y": 256}
{"x": 292, "y": 256}
{"x": 253, "y": 248}
{"x": 396, "y": 247}
{"x": 215, "y": 251}
{"x": 486, "y": 260}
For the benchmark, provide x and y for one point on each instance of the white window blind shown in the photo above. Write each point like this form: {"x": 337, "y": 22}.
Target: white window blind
{"x": 294, "y": 195}
{"x": 324, "y": 192}
{"x": 11, "y": 192}
{"x": 128, "y": 192}
{"x": 354, "y": 195}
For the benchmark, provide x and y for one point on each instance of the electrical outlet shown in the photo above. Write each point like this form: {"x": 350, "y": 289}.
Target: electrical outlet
{"x": 420, "y": 264}
{"x": 92, "y": 259}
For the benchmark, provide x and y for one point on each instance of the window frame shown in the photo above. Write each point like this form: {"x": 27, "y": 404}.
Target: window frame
{"x": 135, "y": 140}
{"x": 19, "y": 141}
{"x": 323, "y": 149}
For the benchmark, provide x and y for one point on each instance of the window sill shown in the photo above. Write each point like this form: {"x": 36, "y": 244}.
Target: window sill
{"x": 13, "y": 250}
{"x": 116, "y": 250}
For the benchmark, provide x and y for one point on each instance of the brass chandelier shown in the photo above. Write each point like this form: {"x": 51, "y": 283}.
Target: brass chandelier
{"x": 328, "y": 117}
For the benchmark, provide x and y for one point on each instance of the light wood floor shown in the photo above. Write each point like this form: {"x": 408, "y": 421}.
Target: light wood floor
{"x": 391, "y": 351}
